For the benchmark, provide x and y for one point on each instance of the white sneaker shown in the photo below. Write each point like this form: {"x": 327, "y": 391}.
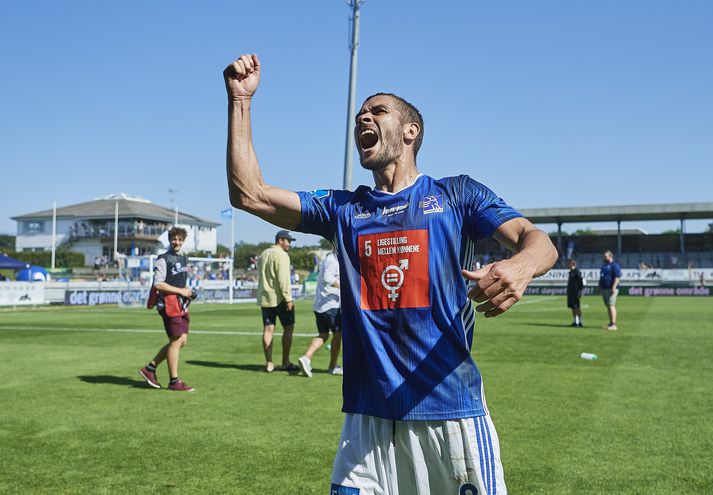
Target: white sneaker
{"x": 305, "y": 366}
{"x": 337, "y": 370}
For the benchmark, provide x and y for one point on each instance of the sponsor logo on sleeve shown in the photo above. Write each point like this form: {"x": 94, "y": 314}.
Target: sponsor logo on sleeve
{"x": 321, "y": 193}
{"x": 431, "y": 204}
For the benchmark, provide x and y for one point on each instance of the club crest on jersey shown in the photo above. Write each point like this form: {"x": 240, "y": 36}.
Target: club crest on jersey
{"x": 321, "y": 193}
{"x": 178, "y": 268}
{"x": 431, "y": 204}
{"x": 394, "y": 210}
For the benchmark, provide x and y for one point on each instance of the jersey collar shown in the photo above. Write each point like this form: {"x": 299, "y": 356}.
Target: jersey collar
{"x": 387, "y": 193}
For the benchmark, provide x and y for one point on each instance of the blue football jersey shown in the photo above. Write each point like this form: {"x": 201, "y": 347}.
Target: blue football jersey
{"x": 406, "y": 321}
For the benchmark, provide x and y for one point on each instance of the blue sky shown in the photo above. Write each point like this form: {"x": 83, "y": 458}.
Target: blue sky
{"x": 549, "y": 103}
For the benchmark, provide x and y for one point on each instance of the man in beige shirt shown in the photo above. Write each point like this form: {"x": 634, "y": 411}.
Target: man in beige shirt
{"x": 274, "y": 295}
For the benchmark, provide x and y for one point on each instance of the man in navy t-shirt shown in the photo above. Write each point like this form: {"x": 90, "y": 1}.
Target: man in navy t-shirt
{"x": 609, "y": 279}
{"x": 416, "y": 418}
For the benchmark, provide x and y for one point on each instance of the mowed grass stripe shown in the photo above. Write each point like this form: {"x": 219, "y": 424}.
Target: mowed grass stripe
{"x": 146, "y": 330}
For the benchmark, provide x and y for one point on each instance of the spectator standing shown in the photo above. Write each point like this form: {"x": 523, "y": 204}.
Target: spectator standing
{"x": 173, "y": 297}
{"x": 609, "y": 280}
{"x": 327, "y": 314}
{"x": 575, "y": 286}
{"x": 570, "y": 249}
{"x": 274, "y": 295}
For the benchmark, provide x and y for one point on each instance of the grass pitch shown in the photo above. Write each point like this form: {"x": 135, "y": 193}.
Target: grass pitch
{"x": 75, "y": 417}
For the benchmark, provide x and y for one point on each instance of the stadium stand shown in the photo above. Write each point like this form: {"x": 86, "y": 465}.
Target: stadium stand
{"x": 633, "y": 248}
{"x": 652, "y": 251}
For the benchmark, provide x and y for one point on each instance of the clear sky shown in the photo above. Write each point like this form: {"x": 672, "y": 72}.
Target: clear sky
{"x": 549, "y": 103}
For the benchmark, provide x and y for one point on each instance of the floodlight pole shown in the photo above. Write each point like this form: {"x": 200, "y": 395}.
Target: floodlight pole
{"x": 116, "y": 230}
{"x": 54, "y": 233}
{"x": 232, "y": 254}
{"x": 232, "y": 232}
{"x": 349, "y": 149}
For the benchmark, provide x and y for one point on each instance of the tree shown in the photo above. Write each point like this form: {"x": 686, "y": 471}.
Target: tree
{"x": 222, "y": 250}
{"x": 244, "y": 252}
{"x": 7, "y": 243}
{"x": 325, "y": 244}
{"x": 64, "y": 258}
{"x": 301, "y": 257}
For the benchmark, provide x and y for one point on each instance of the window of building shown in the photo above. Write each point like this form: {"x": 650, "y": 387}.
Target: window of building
{"x": 34, "y": 227}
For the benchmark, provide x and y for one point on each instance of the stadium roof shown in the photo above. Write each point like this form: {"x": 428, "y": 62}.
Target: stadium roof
{"x": 581, "y": 214}
{"x": 129, "y": 207}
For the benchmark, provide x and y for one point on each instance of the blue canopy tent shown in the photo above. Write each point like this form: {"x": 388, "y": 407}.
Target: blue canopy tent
{"x": 32, "y": 274}
{"x": 11, "y": 263}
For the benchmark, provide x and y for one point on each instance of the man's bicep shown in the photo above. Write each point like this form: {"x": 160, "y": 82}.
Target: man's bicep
{"x": 275, "y": 205}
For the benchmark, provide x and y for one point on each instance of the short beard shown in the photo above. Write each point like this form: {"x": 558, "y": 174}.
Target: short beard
{"x": 391, "y": 149}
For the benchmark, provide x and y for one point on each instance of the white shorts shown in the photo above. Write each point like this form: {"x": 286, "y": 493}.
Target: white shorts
{"x": 379, "y": 456}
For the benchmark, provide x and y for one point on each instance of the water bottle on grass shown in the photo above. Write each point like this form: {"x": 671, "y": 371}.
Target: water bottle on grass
{"x": 589, "y": 356}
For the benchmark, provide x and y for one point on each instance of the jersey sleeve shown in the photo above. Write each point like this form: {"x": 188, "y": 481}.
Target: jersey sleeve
{"x": 160, "y": 270}
{"x": 483, "y": 211}
{"x": 617, "y": 270}
{"x": 331, "y": 270}
{"x": 318, "y": 213}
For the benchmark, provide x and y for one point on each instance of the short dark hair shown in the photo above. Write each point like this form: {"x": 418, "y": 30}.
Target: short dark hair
{"x": 409, "y": 113}
{"x": 177, "y": 232}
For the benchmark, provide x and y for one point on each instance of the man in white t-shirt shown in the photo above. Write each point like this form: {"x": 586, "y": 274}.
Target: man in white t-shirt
{"x": 327, "y": 314}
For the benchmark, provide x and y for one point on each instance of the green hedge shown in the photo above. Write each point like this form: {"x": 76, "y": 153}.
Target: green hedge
{"x": 63, "y": 258}
{"x": 302, "y": 257}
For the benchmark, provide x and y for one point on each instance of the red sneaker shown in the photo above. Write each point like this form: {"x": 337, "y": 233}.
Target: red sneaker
{"x": 180, "y": 386}
{"x": 150, "y": 377}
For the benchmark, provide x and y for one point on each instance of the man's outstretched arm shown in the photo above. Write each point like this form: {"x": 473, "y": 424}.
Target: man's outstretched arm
{"x": 498, "y": 286}
{"x": 248, "y": 191}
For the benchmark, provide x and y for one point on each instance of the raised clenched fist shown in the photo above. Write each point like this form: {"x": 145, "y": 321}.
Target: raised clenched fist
{"x": 242, "y": 77}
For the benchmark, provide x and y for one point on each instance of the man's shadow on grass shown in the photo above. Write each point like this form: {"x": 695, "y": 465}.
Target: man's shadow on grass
{"x": 552, "y": 325}
{"x": 213, "y": 364}
{"x": 242, "y": 367}
{"x": 112, "y": 380}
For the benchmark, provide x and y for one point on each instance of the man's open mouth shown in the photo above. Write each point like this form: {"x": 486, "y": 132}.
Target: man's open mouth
{"x": 368, "y": 139}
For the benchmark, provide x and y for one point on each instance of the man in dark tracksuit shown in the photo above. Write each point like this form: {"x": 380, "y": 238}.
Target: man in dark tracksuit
{"x": 170, "y": 277}
{"x": 575, "y": 285}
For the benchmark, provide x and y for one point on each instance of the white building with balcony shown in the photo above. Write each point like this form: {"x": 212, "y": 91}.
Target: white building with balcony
{"x": 88, "y": 228}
